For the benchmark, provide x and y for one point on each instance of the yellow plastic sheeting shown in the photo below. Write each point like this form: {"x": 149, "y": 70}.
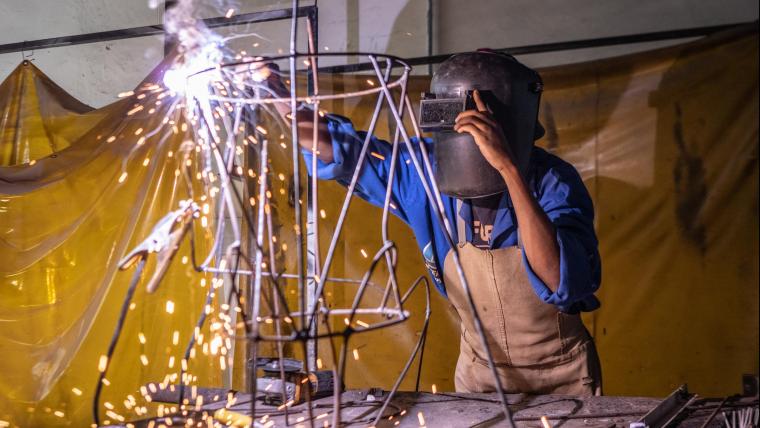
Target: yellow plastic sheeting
{"x": 66, "y": 217}
{"x": 667, "y": 144}
{"x": 32, "y": 129}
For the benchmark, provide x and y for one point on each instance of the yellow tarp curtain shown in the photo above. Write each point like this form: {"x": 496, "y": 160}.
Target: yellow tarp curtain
{"x": 666, "y": 142}
{"x": 68, "y": 213}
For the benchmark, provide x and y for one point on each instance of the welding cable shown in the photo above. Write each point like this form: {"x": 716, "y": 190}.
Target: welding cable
{"x": 115, "y": 338}
{"x": 202, "y": 320}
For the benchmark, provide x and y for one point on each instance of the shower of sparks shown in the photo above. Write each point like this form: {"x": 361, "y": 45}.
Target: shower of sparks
{"x": 545, "y": 422}
{"x": 102, "y": 363}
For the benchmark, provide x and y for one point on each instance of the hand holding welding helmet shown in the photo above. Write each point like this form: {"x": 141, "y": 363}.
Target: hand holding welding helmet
{"x": 487, "y": 133}
{"x": 499, "y": 122}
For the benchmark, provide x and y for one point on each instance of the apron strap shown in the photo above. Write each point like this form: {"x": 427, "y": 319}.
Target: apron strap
{"x": 461, "y": 231}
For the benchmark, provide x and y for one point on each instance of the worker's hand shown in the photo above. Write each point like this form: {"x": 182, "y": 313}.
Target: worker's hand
{"x": 261, "y": 71}
{"x": 488, "y": 134}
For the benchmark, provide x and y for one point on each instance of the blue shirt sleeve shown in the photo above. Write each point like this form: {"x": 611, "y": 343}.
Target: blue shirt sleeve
{"x": 372, "y": 182}
{"x": 408, "y": 193}
{"x": 564, "y": 198}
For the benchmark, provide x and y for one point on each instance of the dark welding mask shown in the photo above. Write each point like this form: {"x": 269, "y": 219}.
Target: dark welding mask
{"x": 512, "y": 92}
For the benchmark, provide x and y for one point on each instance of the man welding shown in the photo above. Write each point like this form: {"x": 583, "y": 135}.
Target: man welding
{"x": 524, "y": 221}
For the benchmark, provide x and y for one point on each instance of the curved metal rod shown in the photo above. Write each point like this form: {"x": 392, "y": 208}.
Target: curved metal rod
{"x": 389, "y": 246}
{"x": 347, "y": 200}
{"x": 305, "y": 99}
{"x": 255, "y": 285}
{"x": 295, "y": 55}
{"x": 420, "y": 346}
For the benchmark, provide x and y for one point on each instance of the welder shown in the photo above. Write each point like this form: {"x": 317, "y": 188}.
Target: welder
{"x": 524, "y": 224}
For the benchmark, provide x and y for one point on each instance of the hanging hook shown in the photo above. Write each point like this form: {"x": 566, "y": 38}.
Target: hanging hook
{"x": 24, "y": 58}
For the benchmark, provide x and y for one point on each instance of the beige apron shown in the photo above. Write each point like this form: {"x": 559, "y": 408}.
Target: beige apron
{"x": 537, "y": 349}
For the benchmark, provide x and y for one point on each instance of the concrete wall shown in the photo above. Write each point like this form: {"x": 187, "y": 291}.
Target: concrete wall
{"x": 95, "y": 72}
{"x": 498, "y": 23}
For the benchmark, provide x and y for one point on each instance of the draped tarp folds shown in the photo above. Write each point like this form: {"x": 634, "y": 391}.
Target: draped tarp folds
{"x": 666, "y": 142}
{"x": 73, "y": 200}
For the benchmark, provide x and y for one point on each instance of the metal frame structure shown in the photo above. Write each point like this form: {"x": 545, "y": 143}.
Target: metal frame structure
{"x": 216, "y": 104}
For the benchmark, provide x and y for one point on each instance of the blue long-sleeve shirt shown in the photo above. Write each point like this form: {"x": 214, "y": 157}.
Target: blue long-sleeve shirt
{"x": 556, "y": 186}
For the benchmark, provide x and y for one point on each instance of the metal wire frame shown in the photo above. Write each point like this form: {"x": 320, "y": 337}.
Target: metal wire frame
{"x": 387, "y": 252}
{"x": 217, "y": 138}
{"x": 384, "y": 97}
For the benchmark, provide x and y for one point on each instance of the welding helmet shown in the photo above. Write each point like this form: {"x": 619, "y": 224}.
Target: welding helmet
{"x": 512, "y": 93}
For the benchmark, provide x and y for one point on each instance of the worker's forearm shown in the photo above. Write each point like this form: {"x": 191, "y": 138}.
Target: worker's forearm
{"x": 306, "y": 135}
{"x": 305, "y": 120}
{"x": 537, "y": 233}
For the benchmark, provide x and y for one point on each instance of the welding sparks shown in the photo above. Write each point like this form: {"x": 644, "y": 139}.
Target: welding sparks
{"x": 421, "y": 419}
{"x": 545, "y": 422}
{"x": 169, "y": 307}
{"x": 102, "y": 363}
{"x": 135, "y": 110}
{"x": 229, "y": 13}
{"x": 76, "y": 391}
